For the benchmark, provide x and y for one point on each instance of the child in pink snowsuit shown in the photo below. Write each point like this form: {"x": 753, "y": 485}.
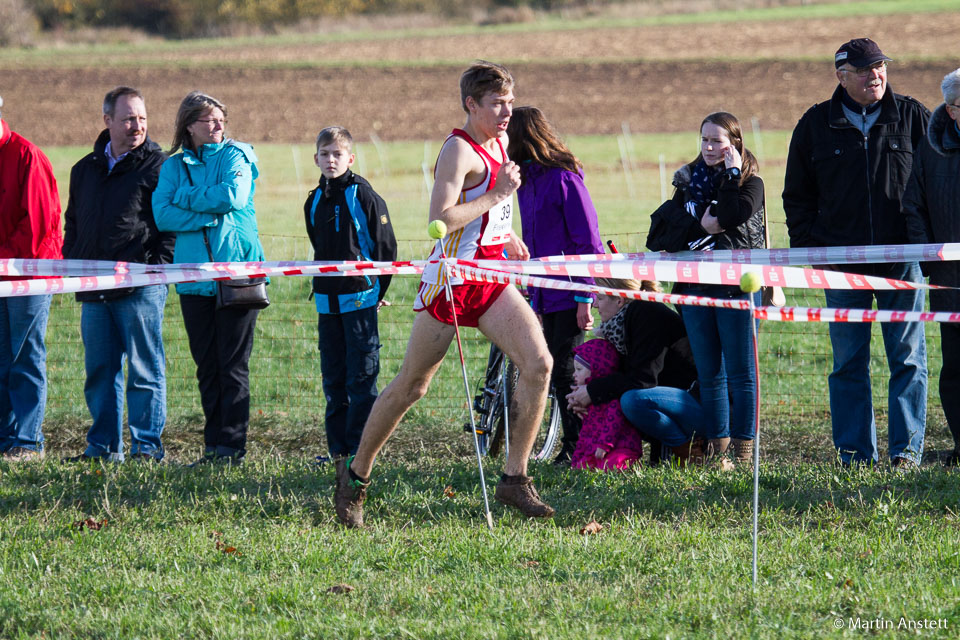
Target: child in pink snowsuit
{"x": 607, "y": 441}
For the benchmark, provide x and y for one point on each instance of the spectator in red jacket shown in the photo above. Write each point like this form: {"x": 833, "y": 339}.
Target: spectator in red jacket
{"x": 29, "y": 228}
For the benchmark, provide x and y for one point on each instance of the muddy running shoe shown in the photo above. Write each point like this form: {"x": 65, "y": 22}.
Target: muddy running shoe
{"x": 349, "y": 495}
{"x": 519, "y": 492}
{"x": 903, "y": 465}
{"x": 22, "y": 454}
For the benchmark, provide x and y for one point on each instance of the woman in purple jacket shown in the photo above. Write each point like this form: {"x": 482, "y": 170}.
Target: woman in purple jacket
{"x": 557, "y": 218}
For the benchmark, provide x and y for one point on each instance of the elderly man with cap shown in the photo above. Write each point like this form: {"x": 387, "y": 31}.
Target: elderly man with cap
{"x": 29, "y": 228}
{"x": 847, "y": 168}
{"x": 931, "y": 205}
{"x": 110, "y": 217}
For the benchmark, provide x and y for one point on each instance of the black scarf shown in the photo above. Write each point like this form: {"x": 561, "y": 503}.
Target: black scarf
{"x": 704, "y": 183}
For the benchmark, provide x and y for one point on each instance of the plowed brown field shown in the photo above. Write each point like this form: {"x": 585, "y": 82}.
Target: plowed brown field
{"x": 667, "y": 91}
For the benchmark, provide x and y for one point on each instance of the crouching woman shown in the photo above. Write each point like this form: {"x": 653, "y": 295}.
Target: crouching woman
{"x": 656, "y": 378}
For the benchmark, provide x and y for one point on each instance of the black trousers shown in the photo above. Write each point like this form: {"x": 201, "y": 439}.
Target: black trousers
{"x": 950, "y": 377}
{"x": 562, "y": 334}
{"x": 221, "y": 342}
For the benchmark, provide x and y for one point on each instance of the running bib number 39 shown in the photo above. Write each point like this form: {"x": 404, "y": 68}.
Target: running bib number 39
{"x": 499, "y": 223}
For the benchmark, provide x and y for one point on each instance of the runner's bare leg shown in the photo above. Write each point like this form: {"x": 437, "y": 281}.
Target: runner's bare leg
{"x": 429, "y": 340}
{"x": 511, "y": 325}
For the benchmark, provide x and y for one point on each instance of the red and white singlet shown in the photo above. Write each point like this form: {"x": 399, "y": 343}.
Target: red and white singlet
{"x": 483, "y": 238}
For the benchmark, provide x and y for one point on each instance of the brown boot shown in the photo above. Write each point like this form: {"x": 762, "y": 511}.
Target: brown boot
{"x": 715, "y": 454}
{"x": 349, "y": 495}
{"x": 519, "y": 492}
{"x": 743, "y": 451}
{"x": 691, "y": 452}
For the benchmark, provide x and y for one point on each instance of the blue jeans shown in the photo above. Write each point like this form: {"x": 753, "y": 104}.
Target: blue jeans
{"x": 722, "y": 346}
{"x": 663, "y": 413}
{"x": 113, "y": 331}
{"x": 23, "y": 371}
{"x": 851, "y": 402}
{"x": 349, "y": 346}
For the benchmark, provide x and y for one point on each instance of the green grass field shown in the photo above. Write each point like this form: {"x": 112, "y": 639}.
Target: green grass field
{"x": 254, "y": 552}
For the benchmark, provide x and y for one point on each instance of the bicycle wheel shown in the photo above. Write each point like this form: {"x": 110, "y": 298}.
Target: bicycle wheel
{"x": 487, "y": 403}
{"x": 547, "y": 432}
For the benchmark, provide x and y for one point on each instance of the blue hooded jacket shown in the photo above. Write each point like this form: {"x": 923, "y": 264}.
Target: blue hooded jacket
{"x": 211, "y": 189}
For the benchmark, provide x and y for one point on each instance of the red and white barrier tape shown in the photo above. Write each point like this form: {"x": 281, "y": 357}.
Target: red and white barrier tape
{"x": 777, "y": 257}
{"x": 811, "y": 314}
{"x": 700, "y": 273}
{"x": 17, "y": 267}
{"x": 131, "y": 274}
{"x": 784, "y": 314}
{"x": 859, "y": 254}
{"x": 488, "y": 275}
{"x": 70, "y": 276}
{"x": 175, "y": 274}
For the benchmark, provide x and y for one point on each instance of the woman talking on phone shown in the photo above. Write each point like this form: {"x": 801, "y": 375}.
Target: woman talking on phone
{"x": 721, "y": 187}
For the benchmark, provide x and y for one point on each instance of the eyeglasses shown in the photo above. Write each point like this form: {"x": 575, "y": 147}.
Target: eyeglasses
{"x": 212, "y": 121}
{"x": 863, "y": 72}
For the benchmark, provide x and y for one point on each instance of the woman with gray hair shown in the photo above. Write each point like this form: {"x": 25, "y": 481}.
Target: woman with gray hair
{"x": 931, "y": 206}
{"x": 205, "y": 195}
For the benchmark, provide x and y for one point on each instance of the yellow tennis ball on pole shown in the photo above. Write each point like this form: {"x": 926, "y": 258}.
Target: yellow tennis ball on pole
{"x": 750, "y": 282}
{"x": 437, "y": 229}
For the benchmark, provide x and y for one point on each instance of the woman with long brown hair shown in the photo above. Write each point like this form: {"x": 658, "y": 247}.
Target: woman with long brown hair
{"x": 557, "y": 218}
{"x": 722, "y": 189}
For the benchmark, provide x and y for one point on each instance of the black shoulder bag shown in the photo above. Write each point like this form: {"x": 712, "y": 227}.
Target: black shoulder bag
{"x": 244, "y": 293}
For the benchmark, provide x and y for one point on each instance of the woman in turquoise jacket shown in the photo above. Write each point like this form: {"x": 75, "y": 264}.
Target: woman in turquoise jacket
{"x": 205, "y": 195}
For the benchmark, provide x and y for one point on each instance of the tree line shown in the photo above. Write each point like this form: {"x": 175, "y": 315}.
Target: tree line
{"x": 197, "y": 18}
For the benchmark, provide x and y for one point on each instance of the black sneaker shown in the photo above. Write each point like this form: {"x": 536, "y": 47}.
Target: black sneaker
{"x": 349, "y": 495}
{"x": 954, "y": 459}
{"x": 80, "y": 458}
{"x": 563, "y": 458}
{"x": 143, "y": 457}
{"x": 213, "y": 458}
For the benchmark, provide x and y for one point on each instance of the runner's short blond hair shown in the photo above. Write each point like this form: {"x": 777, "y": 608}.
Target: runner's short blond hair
{"x": 484, "y": 77}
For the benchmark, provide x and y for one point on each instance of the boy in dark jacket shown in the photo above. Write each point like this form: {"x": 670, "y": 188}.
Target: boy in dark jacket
{"x": 347, "y": 220}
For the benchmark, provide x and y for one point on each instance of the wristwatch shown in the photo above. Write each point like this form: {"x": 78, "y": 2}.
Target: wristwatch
{"x": 733, "y": 173}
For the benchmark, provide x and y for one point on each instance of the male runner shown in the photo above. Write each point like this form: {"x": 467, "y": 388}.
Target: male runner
{"x": 474, "y": 183}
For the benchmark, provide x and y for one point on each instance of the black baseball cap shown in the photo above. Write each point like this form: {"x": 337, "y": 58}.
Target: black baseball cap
{"x": 859, "y": 52}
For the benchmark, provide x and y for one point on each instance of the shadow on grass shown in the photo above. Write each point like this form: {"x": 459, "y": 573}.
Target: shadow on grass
{"x": 411, "y": 493}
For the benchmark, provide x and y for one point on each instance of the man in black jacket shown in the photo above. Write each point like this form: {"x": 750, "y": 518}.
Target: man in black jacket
{"x": 931, "y": 205}
{"x": 847, "y": 167}
{"x": 110, "y": 217}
